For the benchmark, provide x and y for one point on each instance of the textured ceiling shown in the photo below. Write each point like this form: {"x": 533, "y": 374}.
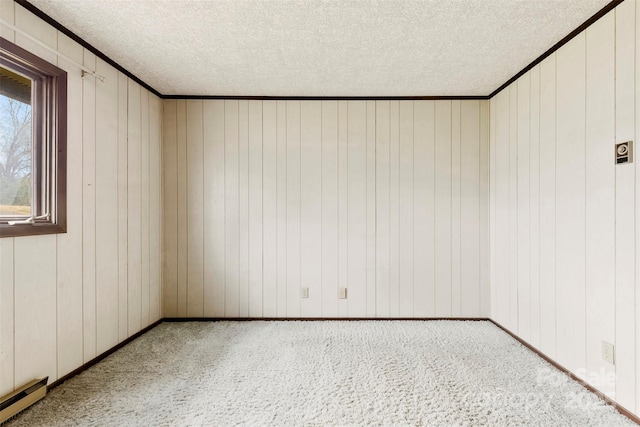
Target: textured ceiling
{"x": 322, "y": 48}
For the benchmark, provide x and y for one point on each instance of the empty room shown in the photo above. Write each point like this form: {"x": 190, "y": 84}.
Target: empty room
{"x": 319, "y": 212}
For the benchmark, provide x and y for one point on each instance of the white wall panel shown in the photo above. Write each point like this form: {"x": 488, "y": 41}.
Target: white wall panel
{"x": 485, "y": 208}
{"x": 357, "y": 207}
{"x": 383, "y": 208}
{"x": 7, "y": 13}
{"x": 577, "y": 210}
{"x": 343, "y": 205}
{"x": 331, "y": 194}
{"x": 214, "y": 209}
{"x": 89, "y": 210}
{"x": 255, "y": 206}
{"x": 512, "y": 207}
{"x": 548, "y": 206}
{"x": 69, "y": 267}
{"x": 106, "y": 206}
{"x": 311, "y": 207}
{"x": 534, "y": 206}
{"x": 281, "y": 211}
{"x": 144, "y": 207}
{"x": 406, "y": 237}
{"x": 456, "y": 236}
{"x": 181, "y": 208}
{"x": 7, "y": 317}
{"x": 34, "y": 314}
{"x": 371, "y": 209}
{"x": 470, "y": 216}
{"x": 493, "y": 231}
{"x": 600, "y": 201}
{"x": 170, "y": 206}
{"x": 424, "y": 209}
{"x": 75, "y": 305}
{"x": 243, "y": 207}
{"x": 269, "y": 209}
{"x": 329, "y": 215}
{"x": 501, "y": 290}
{"x": 570, "y": 202}
{"x": 231, "y": 210}
{"x": 134, "y": 212}
{"x": 293, "y": 196}
{"x": 442, "y": 238}
{"x": 626, "y": 80}
{"x": 155, "y": 208}
{"x": 523, "y": 205}
{"x": 394, "y": 211}
{"x": 123, "y": 201}
{"x": 195, "y": 209}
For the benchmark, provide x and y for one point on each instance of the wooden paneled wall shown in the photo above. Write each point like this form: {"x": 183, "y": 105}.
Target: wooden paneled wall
{"x": 67, "y": 298}
{"x": 386, "y": 198}
{"x": 564, "y": 243}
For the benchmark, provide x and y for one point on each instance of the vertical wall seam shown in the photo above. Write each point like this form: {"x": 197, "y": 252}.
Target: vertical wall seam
{"x": 615, "y": 176}
{"x": 586, "y": 290}
{"x": 321, "y": 211}
{"x": 480, "y": 281}
{"x": 203, "y": 203}
{"x": 375, "y": 210}
{"x": 529, "y": 207}
{"x": 635, "y": 205}
{"x": 175, "y": 143}
{"x": 239, "y": 197}
{"x": 539, "y": 215}
{"x": 187, "y": 225}
{"x": 509, "y": 239}
{"x": 95, "y": 210}
{"x": 224, "y": 157}
{"x": 413, "y": 205}
{"x": 347, "y": 224}
{"x": 555, "y": 202}
{"x": 299, "y": 203}
{"x": 517, "y": 209}
{"x": 450, "y": 207}
{"x": 433, "y": 168}
{"x": 635, "y": 224}
{"x": 118, "y": 196}
{"x": 82, "y": 222}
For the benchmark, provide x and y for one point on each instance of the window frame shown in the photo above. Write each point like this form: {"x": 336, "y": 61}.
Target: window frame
{"x": 49, "y": 142}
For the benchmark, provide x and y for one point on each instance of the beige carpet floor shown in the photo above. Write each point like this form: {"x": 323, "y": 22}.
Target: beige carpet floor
{"x": 295, "y": 373}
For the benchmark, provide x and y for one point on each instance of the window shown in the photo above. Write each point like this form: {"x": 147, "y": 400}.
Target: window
{"x": 33, "y": 121}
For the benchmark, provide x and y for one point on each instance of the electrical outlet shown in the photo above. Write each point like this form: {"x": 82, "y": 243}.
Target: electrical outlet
{"x": 342, "y": 293}
{"x": 608, "y": 354}
{"x": 305, "y": 293}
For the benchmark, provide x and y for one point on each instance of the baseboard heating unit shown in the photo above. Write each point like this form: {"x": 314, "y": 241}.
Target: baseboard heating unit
{"x": 22, "y": 398}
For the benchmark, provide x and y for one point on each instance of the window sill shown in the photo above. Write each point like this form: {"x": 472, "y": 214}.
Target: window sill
{"x": 19, "y": 230}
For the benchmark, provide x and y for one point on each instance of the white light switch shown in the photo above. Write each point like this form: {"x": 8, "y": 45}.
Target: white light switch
{"x": 305, "y": 293}
{"x": 342, "y": 293}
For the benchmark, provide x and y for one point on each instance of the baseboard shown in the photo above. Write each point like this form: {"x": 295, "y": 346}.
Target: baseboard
{"x": 97, "y": 359}
{"x": 308, "y": 319}
{"x": 566, "y": 371}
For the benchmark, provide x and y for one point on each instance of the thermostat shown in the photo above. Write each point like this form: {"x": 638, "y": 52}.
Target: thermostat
{"x": 624, "y": 152}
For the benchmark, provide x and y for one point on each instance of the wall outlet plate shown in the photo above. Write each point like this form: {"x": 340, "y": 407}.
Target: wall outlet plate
{"x": 608, "y": 353}
{"x": 342, "y": 293}
{"x": 304, "y": 293}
